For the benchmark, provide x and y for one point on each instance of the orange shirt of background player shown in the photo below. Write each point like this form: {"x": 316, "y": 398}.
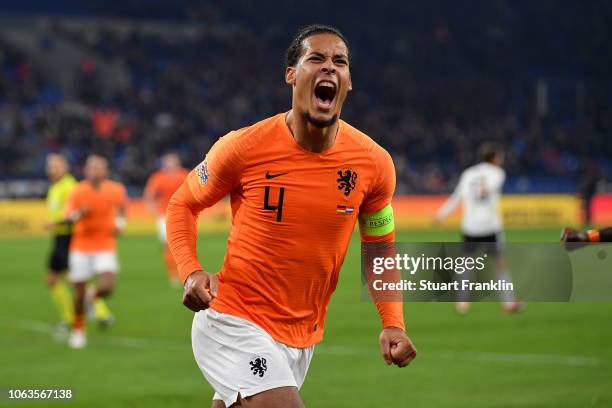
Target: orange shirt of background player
{"x": 163, "y": 184}
{"x": 293, "y": 214}
{"x": 95, "y": 231}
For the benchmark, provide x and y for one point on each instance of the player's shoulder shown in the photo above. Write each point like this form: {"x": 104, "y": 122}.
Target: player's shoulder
{"x": 81, "y": 188}
{"x": 66, "y": 182}
{"x": 501, "y": 171}
{"x": 363, "y": 142}
{"x": 484, "y": 168}
{"x": 154, "y": 180}
{"x": 155, "y": 175}
{"x": 69, "y": 181}
{"x": 251, "y": 136}
{"x": 492, "y": 169}
{"x": 114, "y": 186}
{"x": 471, "y": 170}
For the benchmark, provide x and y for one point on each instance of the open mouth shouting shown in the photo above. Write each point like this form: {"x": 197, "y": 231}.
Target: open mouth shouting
{"x": 325, "y": 94}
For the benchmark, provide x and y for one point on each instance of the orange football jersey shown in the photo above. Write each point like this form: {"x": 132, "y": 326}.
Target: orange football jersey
{"x": 95, "y": 231}
{"x": 163, "y": 184}
{"x": 293, "y": 214}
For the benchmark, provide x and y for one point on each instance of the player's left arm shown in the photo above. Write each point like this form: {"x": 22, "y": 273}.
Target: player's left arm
{"x": 502, "y": 179}
{"x": 150, "y": 195}
{"x": 122, "y": 203}
{"x": 59, "y": 217}
{"x": 377, "y": 225}
{"x": 498, "y": 181}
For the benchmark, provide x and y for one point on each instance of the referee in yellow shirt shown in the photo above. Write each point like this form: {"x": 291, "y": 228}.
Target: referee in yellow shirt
{"x": 62, "y": 183}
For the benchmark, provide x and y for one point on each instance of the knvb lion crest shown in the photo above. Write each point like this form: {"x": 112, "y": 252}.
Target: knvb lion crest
{"x": 202, "y": 171}
{"x": 347, "y": 180}
{"x": 258, "y": 366}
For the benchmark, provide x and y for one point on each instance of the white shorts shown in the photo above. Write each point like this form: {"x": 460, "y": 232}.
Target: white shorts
{"x": 238, "y": 357}
{"x": 161, "y": 229}
{"x": 85, "y": 265}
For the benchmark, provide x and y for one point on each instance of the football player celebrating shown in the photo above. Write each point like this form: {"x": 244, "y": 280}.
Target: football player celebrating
{"x": 298, "y": 182}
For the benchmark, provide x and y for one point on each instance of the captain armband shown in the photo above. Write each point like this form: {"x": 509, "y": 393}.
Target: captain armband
{"x": 378, "y": 223}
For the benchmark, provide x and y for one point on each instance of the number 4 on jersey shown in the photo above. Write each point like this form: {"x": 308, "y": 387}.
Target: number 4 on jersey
{"x": 278, "y": 207}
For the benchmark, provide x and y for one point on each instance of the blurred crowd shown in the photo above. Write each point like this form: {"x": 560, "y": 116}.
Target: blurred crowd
{"x": 430, "y": 85}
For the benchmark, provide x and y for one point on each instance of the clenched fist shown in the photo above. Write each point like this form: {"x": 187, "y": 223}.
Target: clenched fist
{"x": 396, "y": 347}
{"x": 200, "y": 290}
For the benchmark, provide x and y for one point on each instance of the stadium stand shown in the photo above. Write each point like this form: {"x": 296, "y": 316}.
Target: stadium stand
{"x": 430, "y": 90}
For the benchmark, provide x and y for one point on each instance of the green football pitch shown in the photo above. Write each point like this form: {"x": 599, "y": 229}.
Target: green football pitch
{"x": 551, "y": 355}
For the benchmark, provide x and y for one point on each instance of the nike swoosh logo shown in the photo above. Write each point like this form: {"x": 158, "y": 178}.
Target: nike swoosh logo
{"x": 271, "y": 176}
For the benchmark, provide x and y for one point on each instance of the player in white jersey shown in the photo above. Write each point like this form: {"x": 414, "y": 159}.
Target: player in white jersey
{"x": 479, "y": 190}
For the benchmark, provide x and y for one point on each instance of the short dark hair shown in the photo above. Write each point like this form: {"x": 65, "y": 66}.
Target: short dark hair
{"x": 488, "y": 151}
{"x": 98, "y": 155}
{"x": 59, "y": 155}
{"x": 294, "y": 51}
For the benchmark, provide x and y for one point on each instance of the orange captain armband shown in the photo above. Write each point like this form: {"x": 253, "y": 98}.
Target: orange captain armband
{"x": 593, "y": 235}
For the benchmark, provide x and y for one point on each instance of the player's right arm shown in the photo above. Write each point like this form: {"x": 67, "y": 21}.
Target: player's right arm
{"x": 150, "y": 195}
{"x": 217, "y": 175}
{"x": 451, "y": 203}
{"x": 592, "y": 235}
{"x": 74, "y": 210}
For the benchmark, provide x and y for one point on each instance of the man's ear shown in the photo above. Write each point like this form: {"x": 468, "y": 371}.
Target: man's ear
{"x": 350, "y": 83}
{"x": 290, "y": 75}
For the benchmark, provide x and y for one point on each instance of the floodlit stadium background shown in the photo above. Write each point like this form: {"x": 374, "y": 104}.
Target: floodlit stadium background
{"x": 432, "y": 80}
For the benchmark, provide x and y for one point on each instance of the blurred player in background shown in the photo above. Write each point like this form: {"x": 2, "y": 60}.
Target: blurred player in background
{"x": 158, "y": 191}
{"x": 298, "y": 182}
{"x": 97, "y": 207}
{"x": 62, "y": 183}
{"x": 579, "y": 237}
{"x": 479, "y": 190}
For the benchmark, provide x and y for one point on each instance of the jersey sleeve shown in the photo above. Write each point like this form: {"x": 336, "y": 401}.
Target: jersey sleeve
{"x": 67, "y": 191}
{"x": 152, "y": 187}
{"x": 501, "y": 180}
{"x": 376, "y": 225}
{"x": 217, "y": 175}
{"x": 381, "y": 192}
{"x": 71, "y": 202}
{"x": 453, "y": 201}
{"x": 122, "y": 196}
